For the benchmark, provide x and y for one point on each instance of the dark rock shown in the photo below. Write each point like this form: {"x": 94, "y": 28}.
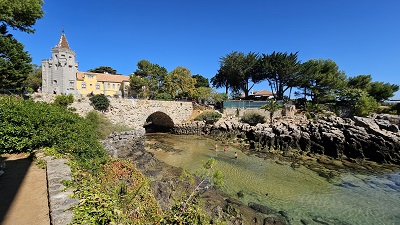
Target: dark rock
{"x": 274, "y": 221}
{"x": 260, "y": 208}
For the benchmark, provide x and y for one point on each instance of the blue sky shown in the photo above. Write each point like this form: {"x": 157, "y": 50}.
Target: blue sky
{"x": 362, "y": 37}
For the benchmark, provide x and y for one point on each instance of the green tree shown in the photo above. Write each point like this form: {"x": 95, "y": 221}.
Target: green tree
{"x": 34, "y": 79}
{"x": 14, "y": 61}
{"x": 221, "y": 80}
{"x": 180, "y": 83}
{"x": 103, "y": 69}
{"x": 201, "y": 81}
{"x": 272, "y": 106}
{"x": 381, "y": 91}
{"x": 154, "y": 73}
{"x": 20, "y": 14}
{"x": 281, "y": 70}
{"x": 138, "y": 86}
{"x": 360, "y": 82}
{"x": 237, "y": 72}
{"x": 321, "y": 79}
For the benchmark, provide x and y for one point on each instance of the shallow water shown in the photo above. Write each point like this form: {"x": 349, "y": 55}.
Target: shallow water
{"x": 300, "y": 193}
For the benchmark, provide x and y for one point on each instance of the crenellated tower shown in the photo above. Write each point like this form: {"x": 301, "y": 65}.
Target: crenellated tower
{"x": 59, "y": 72}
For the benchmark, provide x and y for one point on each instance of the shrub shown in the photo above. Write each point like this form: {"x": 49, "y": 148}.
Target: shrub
{"x": 253, "y": 118}
{"x": 365, "y": 106}
{"x": 100, "y": 102}
{"x": 208, "y": 116}
{"x": 103, "y": 126}
{"x": 28, "y": 125}
{"x": 396, "y": 108}
{"x": 64, "y": 100}
{"x": 117, "y": 194}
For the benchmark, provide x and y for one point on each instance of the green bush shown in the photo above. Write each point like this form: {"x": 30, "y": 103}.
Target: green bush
{"x": 100, "y": 102}
{"x": 64, "y": 100}
{"x": 365, "y": 106}
{"x": 253, "y": 118}
{"x": 103, "y": 126}
{"x": 28, "y": 125}
{"x": 396, "y": 108}
{"x": 208, "y": 116}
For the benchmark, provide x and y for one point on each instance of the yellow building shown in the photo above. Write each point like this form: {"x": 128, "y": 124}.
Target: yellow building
{"x": 102, "y": 83}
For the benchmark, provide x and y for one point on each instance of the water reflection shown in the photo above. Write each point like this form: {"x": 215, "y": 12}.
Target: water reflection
{"x": 300, "y": 192}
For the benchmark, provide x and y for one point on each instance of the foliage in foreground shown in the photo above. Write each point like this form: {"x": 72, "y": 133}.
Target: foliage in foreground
{"x": 213, "y": 116}
{"x": 117, "y": 194}
{"x": 28, "y": 125}
{"x": 187, "y": 210}
{"x": 253, "y": 118}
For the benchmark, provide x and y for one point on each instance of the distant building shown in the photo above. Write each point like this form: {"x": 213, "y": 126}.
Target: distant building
{"x": 60, "y": 75}
{"x": 258, "y": 95}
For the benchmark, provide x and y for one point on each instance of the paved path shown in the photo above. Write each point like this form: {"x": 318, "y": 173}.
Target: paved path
{"x": 23, "y": 193}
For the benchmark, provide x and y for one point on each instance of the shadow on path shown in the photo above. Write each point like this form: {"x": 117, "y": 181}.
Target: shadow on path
{"x": 10, "y": 182}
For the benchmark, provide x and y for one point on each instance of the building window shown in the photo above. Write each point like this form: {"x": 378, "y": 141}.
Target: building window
{"x": 90, "y": 76}
{"x": 108, "y": 85}
{"x": 113, "y": 86}
{"x": 97, "y": 86}
{"x": 83, "y": 85}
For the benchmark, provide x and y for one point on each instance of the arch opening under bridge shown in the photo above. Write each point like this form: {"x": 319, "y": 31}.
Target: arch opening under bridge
{"x": 158, "y": 122}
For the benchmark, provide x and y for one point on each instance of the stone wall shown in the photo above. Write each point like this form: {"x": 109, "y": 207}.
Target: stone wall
{"x": 130, "y": 112}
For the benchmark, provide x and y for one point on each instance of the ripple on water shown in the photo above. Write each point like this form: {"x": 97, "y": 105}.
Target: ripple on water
{"x": 301, "y": 193}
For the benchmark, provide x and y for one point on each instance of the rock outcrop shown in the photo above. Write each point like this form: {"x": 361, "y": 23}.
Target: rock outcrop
{"x": 376, "y": 139}
{"x": 167, "y": 183}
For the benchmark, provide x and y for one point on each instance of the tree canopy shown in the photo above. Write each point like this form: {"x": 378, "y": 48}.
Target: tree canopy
{"x": 14, "y": 61}
{"x": 320, "y": 79}
{"x": 281, "y": 71}
{"x": 237, "y": 72}
{"x": 20, "y": 14}
{"x": 201, "y": 81}
{"x": 103, "y": 69}
{"x": 180, "y": 83}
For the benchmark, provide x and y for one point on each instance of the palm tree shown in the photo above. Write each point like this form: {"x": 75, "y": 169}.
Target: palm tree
{"x": 271, "y": 106}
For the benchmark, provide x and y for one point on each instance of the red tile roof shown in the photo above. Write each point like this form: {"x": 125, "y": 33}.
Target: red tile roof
{"x": 104, "y": 77}
{"x": 63, "y": 43}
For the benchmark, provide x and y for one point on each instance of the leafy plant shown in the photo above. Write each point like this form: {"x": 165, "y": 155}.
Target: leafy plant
{"x": 117, "y": 194}
{"x": 100, "y": 102}
{"x": 64, "y": 100}
{"x": 272, "y": 106}
{"x": 253, "y": 118}
{"x": 365, "y": 106}
{"x": 208, "y": 116}
{"x": 188, "y": 211}
{"x": 103, "y": 126}
{"x": 28, "y": 125}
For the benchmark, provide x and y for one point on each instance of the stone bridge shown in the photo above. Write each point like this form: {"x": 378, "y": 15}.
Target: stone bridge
{"x": 134, "y": 112}
{"x": 138, "y": 113}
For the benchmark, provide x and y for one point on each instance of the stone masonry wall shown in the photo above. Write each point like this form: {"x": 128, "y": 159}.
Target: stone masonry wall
{"x": 130, "y": 112}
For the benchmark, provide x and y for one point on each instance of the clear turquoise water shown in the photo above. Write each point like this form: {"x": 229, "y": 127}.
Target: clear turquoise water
{"x": 301, "y": 193}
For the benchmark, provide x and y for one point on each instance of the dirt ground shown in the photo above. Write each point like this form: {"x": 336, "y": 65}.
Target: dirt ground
{"x": 23, "y": 193}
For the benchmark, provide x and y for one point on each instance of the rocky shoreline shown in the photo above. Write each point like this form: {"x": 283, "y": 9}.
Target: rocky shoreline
{"x": 167, "y": 184}
{"x": 355, "y": 140}
{"x": 328, "y": 146}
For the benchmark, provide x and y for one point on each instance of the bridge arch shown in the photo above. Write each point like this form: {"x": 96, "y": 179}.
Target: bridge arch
{"x": 158, "y": 122}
